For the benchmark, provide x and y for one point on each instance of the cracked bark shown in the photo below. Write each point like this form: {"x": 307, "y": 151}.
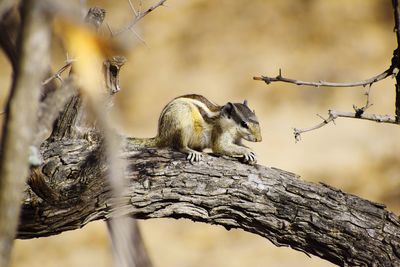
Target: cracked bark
{"x": 69, "y": 190}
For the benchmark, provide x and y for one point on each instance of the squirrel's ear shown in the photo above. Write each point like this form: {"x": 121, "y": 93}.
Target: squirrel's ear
{"x": 245, "y": 103}
{"x": 227, "y": 110}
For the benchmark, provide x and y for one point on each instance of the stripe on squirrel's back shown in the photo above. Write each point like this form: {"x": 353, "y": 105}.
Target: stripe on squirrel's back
{"x": 201, "y": 104}
{"x": 210, "y": 105}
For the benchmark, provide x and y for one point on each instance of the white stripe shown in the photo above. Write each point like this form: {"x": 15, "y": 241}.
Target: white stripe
{"x": 193, "y": 102}
{"x": 210, "y": 114}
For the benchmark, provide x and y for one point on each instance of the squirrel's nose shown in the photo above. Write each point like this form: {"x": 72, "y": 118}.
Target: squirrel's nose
{"x": 258, "y": 137}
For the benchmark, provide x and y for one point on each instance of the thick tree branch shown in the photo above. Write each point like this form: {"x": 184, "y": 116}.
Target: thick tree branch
{"x": 69, "y": 190}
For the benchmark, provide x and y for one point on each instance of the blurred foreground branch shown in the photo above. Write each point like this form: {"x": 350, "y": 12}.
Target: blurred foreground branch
{"x": 32, "y": 48}
{"x": 69, "y": 190}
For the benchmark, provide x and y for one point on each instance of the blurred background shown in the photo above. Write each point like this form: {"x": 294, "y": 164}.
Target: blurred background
{"x": 214, "y": 48}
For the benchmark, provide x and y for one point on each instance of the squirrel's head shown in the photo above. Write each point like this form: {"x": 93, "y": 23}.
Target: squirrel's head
{"x": 242, "y": 120}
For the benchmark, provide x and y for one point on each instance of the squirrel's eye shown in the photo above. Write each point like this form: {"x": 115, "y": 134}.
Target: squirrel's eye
{"x": 244, "y": 124}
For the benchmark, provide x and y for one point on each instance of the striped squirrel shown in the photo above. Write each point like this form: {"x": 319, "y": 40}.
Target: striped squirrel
{"x": 191, "y": 123}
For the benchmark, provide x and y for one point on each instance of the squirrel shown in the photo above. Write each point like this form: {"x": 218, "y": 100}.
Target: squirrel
{"x": 192, "y": 123}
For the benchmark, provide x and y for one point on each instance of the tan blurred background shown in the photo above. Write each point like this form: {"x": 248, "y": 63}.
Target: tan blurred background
{"x": 214, "y": 48}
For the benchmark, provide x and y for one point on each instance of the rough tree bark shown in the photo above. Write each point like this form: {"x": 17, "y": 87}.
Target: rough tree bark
{"x": 69, "y": 190}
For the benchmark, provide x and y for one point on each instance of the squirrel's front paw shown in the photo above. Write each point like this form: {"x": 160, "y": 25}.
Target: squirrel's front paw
{"x": 250, "y": 157}
{"x": 194, "y": 156}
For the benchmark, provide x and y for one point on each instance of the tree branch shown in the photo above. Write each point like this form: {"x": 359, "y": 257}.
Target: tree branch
{"x": 138, "y": 16}
{"x": 57, "y": 75}
{"x": 393, "y": 71}
{"x": 69, "y": 190}
{"x": 359, "y": 113}
{"x": 19, "y": 125}
{"x": 279, "y": 78}
{"x": 333, "y": 114}
{"x": 396, "y": 55}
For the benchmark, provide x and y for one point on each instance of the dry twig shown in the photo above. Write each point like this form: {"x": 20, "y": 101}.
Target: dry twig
{"x": 57, "y": 75}
{"x": 333, "y": 114}
{"x": 138, "y": 15}
{"x": 279, "y": 78}
{"x": 359, "y": 113}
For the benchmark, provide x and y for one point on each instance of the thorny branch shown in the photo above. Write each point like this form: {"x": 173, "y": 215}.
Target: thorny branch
{"x": 57, "y": 75}
{"x": 359, "y": 113}
{"x": 333, "y": 114}
{"x": 138, "y": 15}
{"x": 279, "y": 78}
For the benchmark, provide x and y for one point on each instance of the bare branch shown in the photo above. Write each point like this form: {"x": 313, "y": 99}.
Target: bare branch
{"x": 133, "y": 8}
{"x": 57, "y": 75}
{"x": 139, "y": 37}
{"x": 279, "y": 78}
{"x": 109, "y": 29}
{"x": 358, "y": 114}
{"x": 139, "y": 16}
{"x": 396, "y": 55}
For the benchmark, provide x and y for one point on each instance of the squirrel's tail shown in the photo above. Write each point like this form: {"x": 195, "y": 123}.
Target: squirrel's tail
{"x": 140, "y": 143}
